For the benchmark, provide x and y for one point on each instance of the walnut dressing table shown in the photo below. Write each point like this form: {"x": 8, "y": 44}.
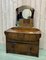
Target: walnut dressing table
{"x": 23, "y": 40}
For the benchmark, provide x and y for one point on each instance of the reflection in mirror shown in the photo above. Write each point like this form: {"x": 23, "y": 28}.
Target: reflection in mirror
{"x": 26, "y": 13}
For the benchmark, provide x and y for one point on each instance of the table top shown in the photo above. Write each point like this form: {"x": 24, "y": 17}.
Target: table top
{"x": 24, "y": 30}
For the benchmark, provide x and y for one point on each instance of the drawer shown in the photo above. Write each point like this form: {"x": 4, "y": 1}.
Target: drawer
{"x": 11, "y": 36}
{"x": 26, "y": 49}
{"x": 23, "y": 37}
{"x": 31, "y": 37}
{"x": 20, "y": 36}
{"x": 10, "y": 47}
{"x": 15, "y": 36}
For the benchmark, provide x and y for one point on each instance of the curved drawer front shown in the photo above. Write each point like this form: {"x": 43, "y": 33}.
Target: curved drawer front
{"x": 11, "y": 36}
{"x": 23, "y": 37}
{"x": 26, "y": 49}
{"x": 22, "y": 48}
{"x": 31, "y": 37}
{"x": 20, "y": 36}
{"x": 15, "y": 36}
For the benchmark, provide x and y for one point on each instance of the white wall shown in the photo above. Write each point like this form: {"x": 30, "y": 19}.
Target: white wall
{"x": 8, "y": 16}
{"x": 0, "y": 22}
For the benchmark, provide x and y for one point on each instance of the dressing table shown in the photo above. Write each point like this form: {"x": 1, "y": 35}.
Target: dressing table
{"x": 24, "y": 38}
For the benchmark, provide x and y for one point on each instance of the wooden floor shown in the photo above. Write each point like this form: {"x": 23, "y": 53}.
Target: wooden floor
{"x": 8, "y": 56}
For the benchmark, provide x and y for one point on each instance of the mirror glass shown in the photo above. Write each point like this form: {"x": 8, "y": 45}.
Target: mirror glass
{"x": 26, "y": 13}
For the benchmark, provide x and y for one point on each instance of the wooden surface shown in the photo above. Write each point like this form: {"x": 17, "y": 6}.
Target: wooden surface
{"x": 24, "y": 30}
{"x": 26, "y": 22}
{"x": 17, "y": 41}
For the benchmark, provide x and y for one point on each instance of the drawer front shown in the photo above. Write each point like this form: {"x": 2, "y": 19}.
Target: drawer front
{"x": 15, "y": 36}
{"x": 18, "y": 48}
{"x": 20, "y": 36}
{"x": 11, "y": 36}
{"x": 31, "y": 37}
{"x": 9, "y": 47}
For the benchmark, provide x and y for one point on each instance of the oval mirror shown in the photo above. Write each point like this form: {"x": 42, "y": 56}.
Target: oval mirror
{"x": 26, "y": 13}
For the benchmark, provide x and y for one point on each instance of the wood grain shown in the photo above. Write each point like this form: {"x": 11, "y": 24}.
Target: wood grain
{"x": 22, "y": 43}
